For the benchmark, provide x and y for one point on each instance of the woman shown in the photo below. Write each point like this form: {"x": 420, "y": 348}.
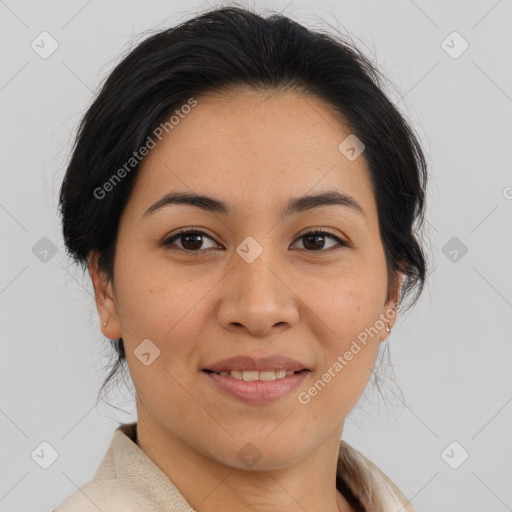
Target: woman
{"x": 246, "y": 200}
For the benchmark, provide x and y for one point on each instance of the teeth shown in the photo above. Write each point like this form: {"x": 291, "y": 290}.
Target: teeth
{"x": 250, "y": 376}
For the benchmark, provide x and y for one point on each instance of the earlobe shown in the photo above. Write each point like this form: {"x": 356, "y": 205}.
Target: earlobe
{"x": 391, "y": 310}
{"x": 388, "y": 322}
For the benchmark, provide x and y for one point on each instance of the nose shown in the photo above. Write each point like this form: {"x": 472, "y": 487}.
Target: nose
{"x": 257, "y": 295}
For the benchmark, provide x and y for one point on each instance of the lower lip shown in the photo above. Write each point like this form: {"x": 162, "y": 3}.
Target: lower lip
{"x": 257, "y": 392}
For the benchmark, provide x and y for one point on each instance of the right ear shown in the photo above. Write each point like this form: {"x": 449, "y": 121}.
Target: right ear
{"x": 105, "y": 298}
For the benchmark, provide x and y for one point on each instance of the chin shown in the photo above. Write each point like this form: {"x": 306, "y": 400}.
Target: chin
{"x": 258, "y": 453}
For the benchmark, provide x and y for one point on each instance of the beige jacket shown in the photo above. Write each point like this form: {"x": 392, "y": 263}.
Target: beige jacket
{"x": 127, "y": 480}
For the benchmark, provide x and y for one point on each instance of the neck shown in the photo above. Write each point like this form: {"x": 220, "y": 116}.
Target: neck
{"x": 208, "y": 485}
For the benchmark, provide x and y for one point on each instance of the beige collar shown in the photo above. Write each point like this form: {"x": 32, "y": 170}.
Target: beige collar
{"x": 133, "y": 468}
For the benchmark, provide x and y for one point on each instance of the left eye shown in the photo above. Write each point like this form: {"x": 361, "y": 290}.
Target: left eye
{"x": 321, "y": 235}
{"x": 191, "y": 240}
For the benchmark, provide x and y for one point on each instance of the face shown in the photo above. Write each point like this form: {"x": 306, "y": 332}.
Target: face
{"x": 249, "y": 281}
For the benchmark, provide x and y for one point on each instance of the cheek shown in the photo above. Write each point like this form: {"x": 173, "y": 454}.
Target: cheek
{"x": 159, "y": 302}
{"x": 342, "y": 306}
{"x": 348, "y": 331}
{"x": 171, "y": 311}
{"x": 343, "y": 375}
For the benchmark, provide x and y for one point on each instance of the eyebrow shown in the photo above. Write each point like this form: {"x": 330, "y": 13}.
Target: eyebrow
{"x": 294, "y": 205}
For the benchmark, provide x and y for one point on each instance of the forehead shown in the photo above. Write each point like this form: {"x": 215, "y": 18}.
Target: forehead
{"x": 253, "y": 148}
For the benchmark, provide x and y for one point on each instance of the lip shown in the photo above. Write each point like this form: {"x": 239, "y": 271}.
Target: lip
{"x": 256, "y": 392}
{"x": 261, "y": 364}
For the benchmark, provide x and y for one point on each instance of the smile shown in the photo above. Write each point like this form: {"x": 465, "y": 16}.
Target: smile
{"x": 251, "y": 375}
{"x": 255, "y": 387}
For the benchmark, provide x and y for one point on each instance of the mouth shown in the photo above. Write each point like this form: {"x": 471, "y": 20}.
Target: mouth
{"x": 254, "y": 387}
{"x": 256, "y": 380}
{"x": 253, "y": 375}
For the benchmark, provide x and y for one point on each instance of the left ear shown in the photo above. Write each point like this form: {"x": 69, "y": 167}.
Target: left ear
{"x": 390, "y": 312}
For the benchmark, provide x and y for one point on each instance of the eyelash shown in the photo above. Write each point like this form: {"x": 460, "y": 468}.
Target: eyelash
{"x": 199, "y": 252}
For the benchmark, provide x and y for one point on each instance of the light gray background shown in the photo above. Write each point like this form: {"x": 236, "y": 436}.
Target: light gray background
{"x": 451, "y": 354}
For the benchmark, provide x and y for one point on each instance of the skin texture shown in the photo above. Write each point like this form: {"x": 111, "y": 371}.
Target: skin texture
{"x": 253, "y": 150}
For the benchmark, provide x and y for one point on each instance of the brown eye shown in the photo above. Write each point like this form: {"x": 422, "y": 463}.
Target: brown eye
{"x": 191, "y": 240}
{"x": 314, "y": 241}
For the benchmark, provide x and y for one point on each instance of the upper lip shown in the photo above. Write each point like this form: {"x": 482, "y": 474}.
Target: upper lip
{"x": 260, "y": 364}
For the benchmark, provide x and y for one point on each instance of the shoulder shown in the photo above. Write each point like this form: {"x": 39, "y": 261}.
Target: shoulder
{"x": 374, "y": 489}
{"x": 107, "y": 490}
{"x": 107, "y": 496}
